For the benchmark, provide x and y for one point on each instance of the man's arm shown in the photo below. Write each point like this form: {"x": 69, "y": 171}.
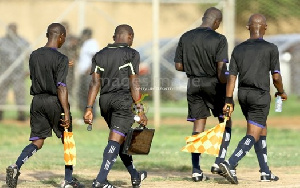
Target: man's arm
{"x": 277, "y": 81}
{"x": 135, "y": 87}
{"x": 222, "y": 68}
{"x": 62, "y": 93}
{"x": 229, "y": 93}
{"x": 179, "y": 66}
{"x": 93, "y": 91}
{"x": 136, "y": 96}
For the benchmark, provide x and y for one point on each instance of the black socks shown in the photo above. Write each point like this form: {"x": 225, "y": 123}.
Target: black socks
{"x": 110, "y": 155}
{"x": 127, "y": 161}
{"x": 27, "y": 152}
{"x": 242, "y": 149}
{"x": 224, "y": 146}
{"x": 261, "y": 152}
{"x": 196, "y": 160}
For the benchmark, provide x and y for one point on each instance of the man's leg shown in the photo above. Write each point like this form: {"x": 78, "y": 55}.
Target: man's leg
{"x": 244, "y": 146}
{"x": 13, "y": 171}
{"x": 110, "y": 155}
{"x": 261, "y": 152}
{"x": 128, "y": 162}
{"x": 223, "y": 148}
{"x": 197, "y": 174}
{"x": 136, "y": 177}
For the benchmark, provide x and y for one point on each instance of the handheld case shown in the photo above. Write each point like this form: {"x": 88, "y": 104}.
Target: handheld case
{"x": 138, "y": 141}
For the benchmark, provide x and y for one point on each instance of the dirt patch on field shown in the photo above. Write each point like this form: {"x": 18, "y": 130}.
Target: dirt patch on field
{"x": 289, "y": 177}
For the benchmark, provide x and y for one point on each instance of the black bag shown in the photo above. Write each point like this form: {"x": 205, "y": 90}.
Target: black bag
{"x": 138, "y": 141}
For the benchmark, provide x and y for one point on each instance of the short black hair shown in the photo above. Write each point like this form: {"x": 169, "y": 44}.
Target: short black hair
{"x": 122, "y": 28}
{"x": 55, "y": 29}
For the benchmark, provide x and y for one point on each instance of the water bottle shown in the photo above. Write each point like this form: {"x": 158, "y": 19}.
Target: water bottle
{"x": 278, "y": 104}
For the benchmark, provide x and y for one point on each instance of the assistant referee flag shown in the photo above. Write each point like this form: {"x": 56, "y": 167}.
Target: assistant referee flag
{"x": 206, "y": 142}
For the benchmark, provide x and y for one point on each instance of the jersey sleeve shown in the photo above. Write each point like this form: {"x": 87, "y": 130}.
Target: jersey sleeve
{"x": 62, "y": 71}
{"x": 95, "y": 68}
{"x": 275, "y": 65}
{"x": 179, "y": 52}
{"x": 222, "y": 50}
{"x": 135, "y": 64}
{"x": 233, "y": 68}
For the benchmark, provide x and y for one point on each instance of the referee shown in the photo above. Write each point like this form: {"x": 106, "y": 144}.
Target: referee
{"x": 253, "y": 60}
{"x": 48, "y": 72}
{"x": 203, "y": 53}
{"x": 115, "y": 69}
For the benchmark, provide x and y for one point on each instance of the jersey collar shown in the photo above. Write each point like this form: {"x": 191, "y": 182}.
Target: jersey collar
{"x": 255, "y": 39}
{"x": 117, "y": 45}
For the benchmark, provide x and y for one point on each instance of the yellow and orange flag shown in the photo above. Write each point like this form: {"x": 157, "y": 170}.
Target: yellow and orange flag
{"x": 208, "y": 142}
{"x": 69, "y": 148}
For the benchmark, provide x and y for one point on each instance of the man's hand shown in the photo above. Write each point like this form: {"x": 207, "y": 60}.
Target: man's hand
{"x": 71, "y": 63}
{"x": 88, "y": 116}
{"x": 226, "y": 110}
{"x": 282, "y": 95}
{"x": 143, "y": 120}
{"x": 66, "y": 121}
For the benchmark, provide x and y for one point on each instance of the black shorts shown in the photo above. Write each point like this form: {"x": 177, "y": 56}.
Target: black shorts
{"x": 116, "y": 108}
{"x": 45, "y": 112}
{"x": 255, "y": 105}
{"x": 205, "y": 94}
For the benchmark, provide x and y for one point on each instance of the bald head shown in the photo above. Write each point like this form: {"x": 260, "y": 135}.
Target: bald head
{"x": 55, "y": 30}
{"x": 124, "y": 34}
{"x": 257, "y": 25}
{"x": 257, "y": 19}
{"x": 212, "y": 18}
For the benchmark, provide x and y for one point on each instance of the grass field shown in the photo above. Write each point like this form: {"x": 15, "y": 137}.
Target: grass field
{"x": 165, "y": 156}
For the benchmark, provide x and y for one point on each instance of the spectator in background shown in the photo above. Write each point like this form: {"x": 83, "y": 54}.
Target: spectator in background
{"x": 71, "y": 50}
{"x": 11, "y": 48}
{"x": 88, "y": 49}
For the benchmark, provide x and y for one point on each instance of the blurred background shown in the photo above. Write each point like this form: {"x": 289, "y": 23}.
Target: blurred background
{"x": 90, "y": 25}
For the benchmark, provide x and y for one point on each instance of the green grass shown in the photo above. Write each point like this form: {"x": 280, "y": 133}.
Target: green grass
{"x": 165, "y": 152}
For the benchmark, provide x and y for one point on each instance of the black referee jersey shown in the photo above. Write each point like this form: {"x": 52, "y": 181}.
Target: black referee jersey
{"x": 115, "y": 63}
{"x": 253, "y": 60}
{"x": 199, "y": 50}
{"x": 48, "y": 69}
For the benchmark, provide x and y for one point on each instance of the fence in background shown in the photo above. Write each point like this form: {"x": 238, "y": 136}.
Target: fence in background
{"x": 175, "y": 17}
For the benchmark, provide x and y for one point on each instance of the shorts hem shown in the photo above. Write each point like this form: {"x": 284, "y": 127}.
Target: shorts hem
{"x": 118, "y": 132}
{"x": 256, "y": 124}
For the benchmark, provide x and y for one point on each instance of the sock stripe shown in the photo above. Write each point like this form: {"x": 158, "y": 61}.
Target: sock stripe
{"x": 265, "y": 158}
{"x": 112, "y": 149}
{"x": 223, "y": 154}
{"x": 227, "y": 137}
{"x": 247, "y": 142}
{"x": 238, "y": 154}
{"x": 264, "y": 143}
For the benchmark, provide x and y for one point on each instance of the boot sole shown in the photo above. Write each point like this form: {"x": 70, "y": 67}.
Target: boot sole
{"x": 227, "y": 174}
